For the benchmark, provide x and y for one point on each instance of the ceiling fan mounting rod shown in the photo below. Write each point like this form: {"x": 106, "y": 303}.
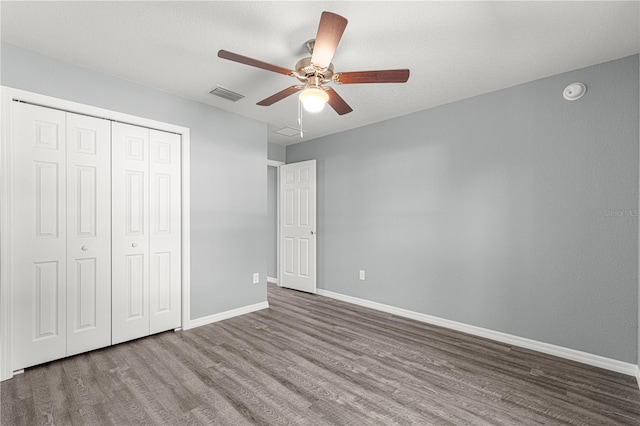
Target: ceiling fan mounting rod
{"x": 314, "y": 81}
{"x": 310, "y": 45}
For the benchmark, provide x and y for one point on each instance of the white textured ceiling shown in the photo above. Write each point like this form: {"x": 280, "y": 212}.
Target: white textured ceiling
{"x": 455, "y": 50}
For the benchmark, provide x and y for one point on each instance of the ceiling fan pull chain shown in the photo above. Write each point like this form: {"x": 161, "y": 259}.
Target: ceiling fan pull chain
{"x": 300, "y": 118}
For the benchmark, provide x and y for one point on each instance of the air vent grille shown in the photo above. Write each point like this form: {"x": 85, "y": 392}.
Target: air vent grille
{"x": 288, "y": 131}
{"x": 226, "y": 94}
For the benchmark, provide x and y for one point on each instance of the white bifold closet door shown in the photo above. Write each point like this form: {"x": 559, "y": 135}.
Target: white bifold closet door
{"x": 146, "y": 237}
{"x": 88, "y": 233}
{"x": 165, "y": 221}
{"x": 61, "y": 234}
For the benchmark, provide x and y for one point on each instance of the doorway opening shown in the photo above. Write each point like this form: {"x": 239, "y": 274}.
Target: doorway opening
{"x": 273, "y": 219}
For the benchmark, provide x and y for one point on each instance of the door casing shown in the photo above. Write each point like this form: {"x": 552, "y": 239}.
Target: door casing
{"x": 276, "y": 164}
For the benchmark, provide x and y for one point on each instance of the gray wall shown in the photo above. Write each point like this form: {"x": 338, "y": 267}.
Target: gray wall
{"x": 276, "y": 152}
{"x": 272, "y": 219}
{"x": 228, "y": 179}
{"x": 499, "y": 211}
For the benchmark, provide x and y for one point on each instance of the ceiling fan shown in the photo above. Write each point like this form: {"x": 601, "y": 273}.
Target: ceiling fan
{"x": 316, "y": 72}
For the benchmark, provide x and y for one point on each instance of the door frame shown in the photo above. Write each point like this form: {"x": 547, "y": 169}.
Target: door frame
{"x": 276, "y": 164}
{"x": 8, "y": 96}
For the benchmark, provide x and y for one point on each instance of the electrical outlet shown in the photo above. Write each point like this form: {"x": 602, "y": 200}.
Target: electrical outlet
{"x": 362, "y": 274}
{"x": 256, "y": 278}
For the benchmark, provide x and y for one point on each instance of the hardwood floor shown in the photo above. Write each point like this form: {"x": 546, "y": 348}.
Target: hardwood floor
{"x": 309, "y": 360}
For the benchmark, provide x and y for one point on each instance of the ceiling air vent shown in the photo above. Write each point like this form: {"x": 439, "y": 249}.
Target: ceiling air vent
{"x": 288, "y": 131}
{"x": 226, "y": 94}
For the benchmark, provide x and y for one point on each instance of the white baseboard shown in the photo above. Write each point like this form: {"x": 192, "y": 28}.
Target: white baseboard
{"x": 547, "y": 348}
{"x": 638, "y": 374}
{"x": 272, "y": 280}
{"x": 227, "y": 314}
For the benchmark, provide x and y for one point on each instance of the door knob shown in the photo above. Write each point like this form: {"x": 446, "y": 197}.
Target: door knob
{"x": 312, "y": 232}
{"x": 134, "y": 245}
{"x": 85, "y": 248}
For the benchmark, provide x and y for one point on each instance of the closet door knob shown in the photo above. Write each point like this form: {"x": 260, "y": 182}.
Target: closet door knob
{"x": 134, "y": 245}
{"x": 85, "y": 248}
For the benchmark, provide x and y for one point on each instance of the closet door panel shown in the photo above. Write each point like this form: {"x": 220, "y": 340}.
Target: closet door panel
{"x": 165, "y": 235}
{"x": 39, "y": 228}
{"x": 88, "y": 233}
{"x": 130, "y": 232}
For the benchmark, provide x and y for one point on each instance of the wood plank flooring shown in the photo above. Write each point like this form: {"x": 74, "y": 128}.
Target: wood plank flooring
{"x": 309, "y": 360}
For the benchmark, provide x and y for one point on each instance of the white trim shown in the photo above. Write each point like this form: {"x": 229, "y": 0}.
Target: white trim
{"x": 272, "y": 280}
{"x": 6, "y": 280}
{"x": 278, "y": 268}
{"x": 547, "y": 348}
{"x": 186, "y": 227}
{"x": 227, "y": 314}
{"x": 638, "y": 375}
{"x": 75, "y": 107}
{"x": 6, "y": 291}
{"x": 274, "y": 163}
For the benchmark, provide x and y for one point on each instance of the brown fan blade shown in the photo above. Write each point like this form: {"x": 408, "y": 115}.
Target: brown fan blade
{"x": 279, "y": 96}
{"x": 337, "y": 103}
{"x": 329, "y": 34}
{"x": 224, "y": 54}
{"x": 382, "y": 76}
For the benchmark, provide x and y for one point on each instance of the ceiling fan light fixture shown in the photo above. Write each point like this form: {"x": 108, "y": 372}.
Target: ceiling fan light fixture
{"x": 316, "y": 71}
{"x": 313, "y": 99}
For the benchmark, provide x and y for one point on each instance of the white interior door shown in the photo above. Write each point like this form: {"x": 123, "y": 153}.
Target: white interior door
{"x": 88, "y": 233}
{"x": 164, "y": 229}
{"x": 130, "y": 232}
{"x": 39, "y": 247}
{"x": 298, "y": 226}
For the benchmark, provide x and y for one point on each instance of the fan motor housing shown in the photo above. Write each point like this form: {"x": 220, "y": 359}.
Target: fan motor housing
{"x": 305, "y": 70}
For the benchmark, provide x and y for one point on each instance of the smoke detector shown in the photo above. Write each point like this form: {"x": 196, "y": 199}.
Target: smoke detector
{"x": 574, "y": 91}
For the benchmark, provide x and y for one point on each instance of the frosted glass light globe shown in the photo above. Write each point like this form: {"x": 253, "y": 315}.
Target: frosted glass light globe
{"x": 313, "y": 99}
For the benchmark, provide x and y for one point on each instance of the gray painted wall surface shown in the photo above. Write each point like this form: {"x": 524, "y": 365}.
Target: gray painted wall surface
{"x": 276, "y": 152}
{"x": 272, "y": 220}
{"x": 494, "y": 211}
{"x": 228, "y": 179}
